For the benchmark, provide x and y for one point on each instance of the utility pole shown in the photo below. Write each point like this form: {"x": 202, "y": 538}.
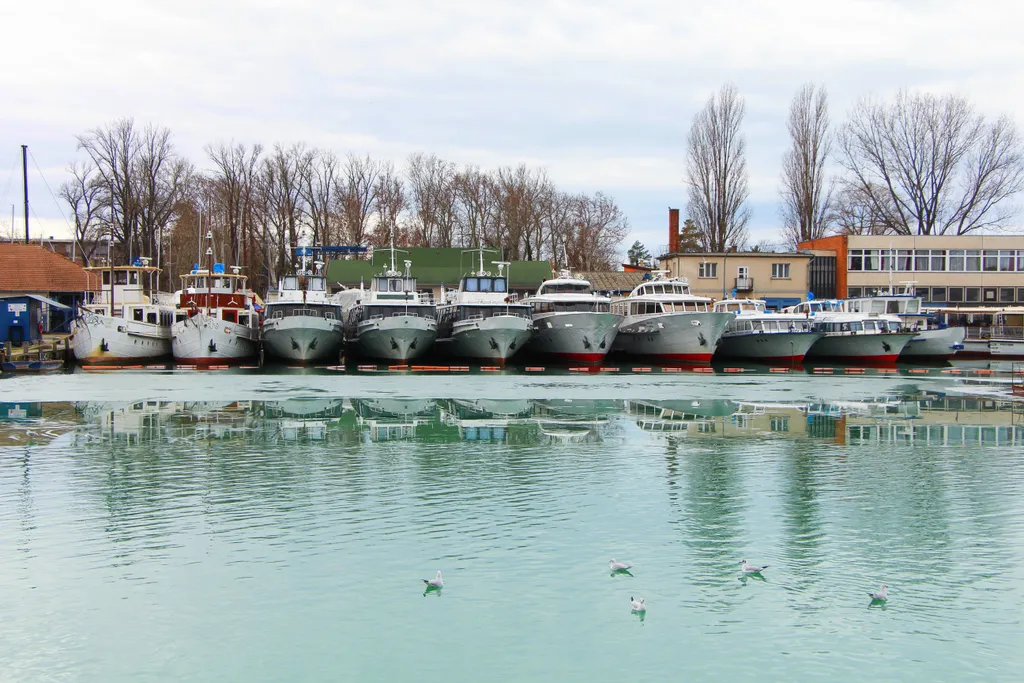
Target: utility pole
{"x": 24, "y": 178}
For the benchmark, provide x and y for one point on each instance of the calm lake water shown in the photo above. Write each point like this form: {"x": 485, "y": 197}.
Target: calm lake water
{"x": 260, "y": 527}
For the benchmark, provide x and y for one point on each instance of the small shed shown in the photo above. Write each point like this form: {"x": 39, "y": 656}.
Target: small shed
{"x": 20, "y": 317}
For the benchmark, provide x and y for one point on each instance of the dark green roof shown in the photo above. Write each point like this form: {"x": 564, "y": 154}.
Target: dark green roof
{"x": 433, "y": 267}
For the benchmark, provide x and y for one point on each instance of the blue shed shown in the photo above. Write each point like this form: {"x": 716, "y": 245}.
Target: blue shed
{"x": 20, "y": 315}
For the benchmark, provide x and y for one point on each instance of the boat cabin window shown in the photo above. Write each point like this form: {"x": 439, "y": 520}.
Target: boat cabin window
{"x": 133, "y": 277}
{"x": 291, "y": 282}
{"x": 317, "y": 284}
{"x": 151, "y": 318}
{"x": 565, "y": 288}
{"x": 485, "y": 284}
{"x": 137, "y": 314}
{"x": 243, "y": 319}
{"x": 645, "y": 307}
{"x": 229, "y": 315}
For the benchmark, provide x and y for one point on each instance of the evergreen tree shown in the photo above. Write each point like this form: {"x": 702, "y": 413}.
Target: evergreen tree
{"x": 637, "y": 253}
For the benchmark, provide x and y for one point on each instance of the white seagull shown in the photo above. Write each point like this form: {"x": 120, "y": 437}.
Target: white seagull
{"x": 751, "y": 568}
{"x": 435, "y": 582}
{"x": 882, "y": 594}
{"x": 618, "y": 566}
{"x": 637, "y": 604}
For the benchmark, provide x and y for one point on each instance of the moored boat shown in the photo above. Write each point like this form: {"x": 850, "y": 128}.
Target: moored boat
{"x": 216, "y": 320}
{"x": 571, "y": 322}
{"x": 763, "y": 336}
{"x": 390, "y": 320}
{"x": 127, "y": 319}
{"x": 663, "y": 321}
{"x": 301, "y": 322}
{"x": 854, "y": 338}
{"x": 482, "y": 320}
{"x": 931, "y": 341}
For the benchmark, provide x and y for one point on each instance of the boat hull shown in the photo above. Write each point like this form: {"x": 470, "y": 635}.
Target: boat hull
{"x": 494, "y": 339}
{"x": 1006, "y": 348}
{"x": 673, "y": 337}
{"x": 940, "y": 343}
{"x": 302, "y": 339}
{"x": 98, "y": 339}
{"x": 860, "y": 349}
{"x": 767, "y": 347}
{"x": 584, "y": 337}
{"x": 203, "y": 340}
{"x": 399, "y": 337}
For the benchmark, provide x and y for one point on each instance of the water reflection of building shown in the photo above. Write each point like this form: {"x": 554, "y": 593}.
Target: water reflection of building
{"x": 489, "y": 420}
{"x": 573, "y": 420}
{"x": 939, "y": 420}
{"x": 34, "y": 423}
{"x": 719, "y": 418}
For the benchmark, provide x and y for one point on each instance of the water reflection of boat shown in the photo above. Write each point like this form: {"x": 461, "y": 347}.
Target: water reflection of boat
{"x": 305, "y": 407}
{"x": 392, "y": 419}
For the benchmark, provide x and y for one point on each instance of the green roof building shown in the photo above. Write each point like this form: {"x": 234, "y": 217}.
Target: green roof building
{"x": 436, "y": 268}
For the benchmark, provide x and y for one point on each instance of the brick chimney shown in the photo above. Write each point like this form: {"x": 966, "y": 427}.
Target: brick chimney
{"x": 673, "y": 231}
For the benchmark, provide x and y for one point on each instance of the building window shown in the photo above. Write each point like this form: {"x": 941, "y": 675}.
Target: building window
{"x": 938, "y": 294}
{"x": 1020, "y": 261}
{"x": 956, "y": 295}
{"x": 905, "y": 260}
{"x": 1006, "y": 295}
{"x": 853, "y": 292}
{"x": 973, "y": 261}
{"x": 922, "y": 261}
{"x": 856, "y": 259}
{"x": 956, "y": 260}
{"x": 1006, "y": 261}
{"x": 707, "y": 270}
{"x": 871, "y": 259}
{"x": 989, "y": 293}
{"x": 938, "y": 260}
{"x": 779, "y": 424}
{"x": 972, "y": 295}
{"x": 925, "y": 294}
{"x": 1020, "y": 295}
{"x": 780, "y": 271}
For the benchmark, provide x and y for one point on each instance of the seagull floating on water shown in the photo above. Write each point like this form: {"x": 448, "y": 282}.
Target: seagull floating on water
{"x": 882, "y": 594}
{"x": 752, "y": 568}
{"x": 435, "y": 582}
{"x": 618, "y": 566}
{"x": 637, "y": 604}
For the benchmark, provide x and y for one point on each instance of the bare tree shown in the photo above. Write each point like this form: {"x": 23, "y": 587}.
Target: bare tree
{"x": 317, "y": 185}
{"x": 854, "y": 213}
{"x": 596, "y": 232}
{"x": 142, "y": 179}
{"x": 433, "y": 197}
{"x": 390, "y": 204}
{"x": 806, "y": 196}
{"x": 84, "y": 194}
{"x": 233, "y": 184}
{"x": 282, "y": 201}
{"x": 475, "y": 193}
{"x": 356, "y": 195}
{"x": 716, "y": 172}
{"x": 930, "y": 165}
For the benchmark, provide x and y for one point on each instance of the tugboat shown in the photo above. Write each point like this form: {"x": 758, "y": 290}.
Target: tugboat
{"x": 571, "y": 321}
{"x": 302, "y": 322}
{"x": 391, "y": 320}
{"x": 216, "y": 321}
{"x": 482, "y": 320}
{"x": 126, "y": 320}
{"x": 762, "y": 336}
{"x": 664, "y": 321}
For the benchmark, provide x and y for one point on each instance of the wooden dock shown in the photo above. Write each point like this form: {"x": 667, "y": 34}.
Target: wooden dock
{"x": 51, "y": 347}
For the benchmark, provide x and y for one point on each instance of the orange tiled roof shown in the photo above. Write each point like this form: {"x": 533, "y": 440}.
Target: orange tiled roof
{"x": 34, "y": 268}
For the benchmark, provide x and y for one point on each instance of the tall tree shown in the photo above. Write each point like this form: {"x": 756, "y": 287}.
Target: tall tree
{"x": 356, "y": 195}
{"x": 806, "y": 196}
{"x": 233, "y": 183}
{"x": 84, "y": 195}
{"x": 716, "y": 172}
{"x": 637, "y": 253}
{"x": 930, "y": 165}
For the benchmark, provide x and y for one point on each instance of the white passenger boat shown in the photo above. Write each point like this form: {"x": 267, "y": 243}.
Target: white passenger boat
{"x": 663, "y": 321}
{"x": 216, "y": 320}
{"x": 127, "y": 319}
{"x": 571, "y": 321}
{"x": 302, "y": 323}
{"x": 931, "y": 341}
{"x": 995, "y": 333}
{"x": 390, "y": 320}
{"x": 482, "y": 320}
{"x": 762, "y": 336}
{"x": 855, "y": 338}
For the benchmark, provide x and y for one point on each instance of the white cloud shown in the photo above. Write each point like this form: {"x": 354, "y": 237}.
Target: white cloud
{"x": 600, "y": 93}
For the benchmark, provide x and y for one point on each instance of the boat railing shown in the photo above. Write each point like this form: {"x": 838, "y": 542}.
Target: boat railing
{"x": 995, "y": 332}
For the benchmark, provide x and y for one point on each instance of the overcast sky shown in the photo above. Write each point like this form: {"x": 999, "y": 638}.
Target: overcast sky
{"x": 600, "y": 93}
